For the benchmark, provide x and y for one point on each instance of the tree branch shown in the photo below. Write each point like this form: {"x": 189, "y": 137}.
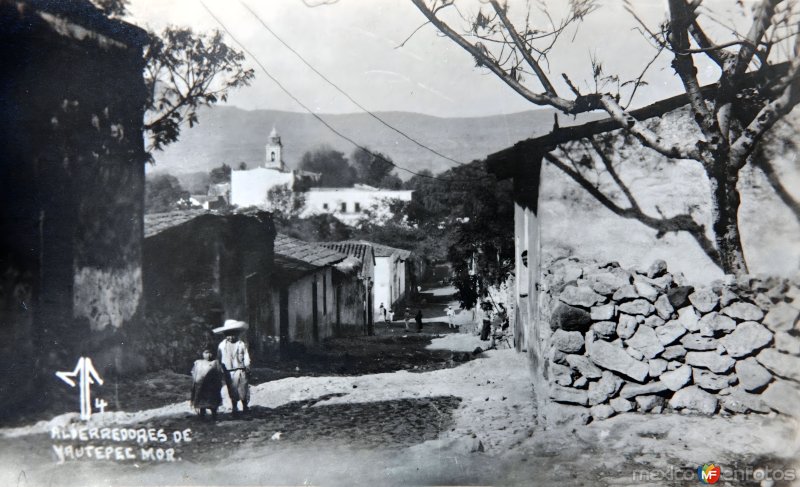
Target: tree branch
{"x": 678, "y": 223}
{"x": 762, "y": 19}
{"x": 770, "y": 113}
{"x": 684, "y": 65}
{"x": 523, "y": 48}
{"x": 542, "y": 99}
{"x": 646, "y": 136}
{"x": 777, "y": 185}
{"x": 613, "y": 173}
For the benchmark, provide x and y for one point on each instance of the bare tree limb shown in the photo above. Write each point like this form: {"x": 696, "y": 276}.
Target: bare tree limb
{"x": 684, "y": 65}
{"x": 411, "y": 35}
{"x": 613, "y": 173}
{"x": 777, "y": 185}
{"x": 677, "y": 223}
{"x": 769, "y": 114}
{"x": 646, "y": 136}
{"x": 523, "y": 48}
{"x": 542, "y": 99}
{"x": 762, "y": 19}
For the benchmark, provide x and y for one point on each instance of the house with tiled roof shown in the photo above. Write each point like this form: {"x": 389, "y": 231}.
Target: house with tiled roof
{"x": 393, "y": 274}
{"x": 318, "y": 292}
{"x": 364, "y": 254}
{"x": 199, "y": 269}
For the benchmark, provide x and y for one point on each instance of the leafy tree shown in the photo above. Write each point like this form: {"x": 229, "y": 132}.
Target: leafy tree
{"x": 184, "y": 70}
{"x": 333, "y": 165}
{"x": 284, "y": 203}
{"x": 112, "y": 8}
{"x": 758, "y": 84}
{"x": 375, "y": 169}
{"x": 316, "y": 228}
{"x": 163, "y": 192}
{"x": 463, "y": 216}
{"x": 221, "y": 174}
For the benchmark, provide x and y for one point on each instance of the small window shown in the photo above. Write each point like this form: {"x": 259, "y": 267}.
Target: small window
{"x": 324, "y": 206}
{"x": 272, "y": 156}
{"x": 358, "y": 207}
{"x": 344, "y": 207}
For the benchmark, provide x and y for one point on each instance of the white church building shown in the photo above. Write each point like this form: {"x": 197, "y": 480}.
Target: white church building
{"x": 249, "y": 187}
{"x": 350, "y": 205}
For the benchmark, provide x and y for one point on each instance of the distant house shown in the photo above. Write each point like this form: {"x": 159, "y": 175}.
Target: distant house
{"x": 350, "y": 205}
{"x": 361, "y": 288}
{"x": 199, "y": 270}
{"x": 71, "y": 192}
{"x": 249, "y": 187}
{"x": 204, "y": 201}
{"x": 394, "y": 276}
{"x": 315, "y": 293}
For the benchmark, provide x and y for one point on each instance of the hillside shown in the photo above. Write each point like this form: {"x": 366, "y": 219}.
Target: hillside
{"x": 232, "y": 135}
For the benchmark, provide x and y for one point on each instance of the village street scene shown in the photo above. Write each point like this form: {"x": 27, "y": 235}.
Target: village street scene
{"x": 412, "y": 242}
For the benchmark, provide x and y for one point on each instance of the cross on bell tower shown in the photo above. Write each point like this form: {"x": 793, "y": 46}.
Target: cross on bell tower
{"x": 274, "y": 147}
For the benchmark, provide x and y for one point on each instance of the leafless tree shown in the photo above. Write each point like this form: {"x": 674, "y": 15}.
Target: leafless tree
{"x": 756, "y": 87}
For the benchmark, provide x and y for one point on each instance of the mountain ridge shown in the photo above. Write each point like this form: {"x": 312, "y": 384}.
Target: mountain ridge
{"x": 232, "y": 135}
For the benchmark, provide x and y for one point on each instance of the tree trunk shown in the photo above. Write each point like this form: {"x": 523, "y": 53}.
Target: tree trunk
{"x": 725, "y": 202}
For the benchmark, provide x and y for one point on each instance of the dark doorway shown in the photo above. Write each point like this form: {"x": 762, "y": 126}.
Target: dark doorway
{"x": 314, "y": 312}
{"x": 338, "y": 298}
{"x": 253, "y": 314}
{"x": 284, "y": 317}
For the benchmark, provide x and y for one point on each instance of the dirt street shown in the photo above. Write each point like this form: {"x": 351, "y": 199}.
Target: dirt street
{"x": 457, "y": 419}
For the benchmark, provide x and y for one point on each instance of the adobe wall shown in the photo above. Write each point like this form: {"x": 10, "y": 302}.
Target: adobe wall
{"x": 624, "y": 340}
{"x": 197, "y": 275}
{"x": 71, "y": 198}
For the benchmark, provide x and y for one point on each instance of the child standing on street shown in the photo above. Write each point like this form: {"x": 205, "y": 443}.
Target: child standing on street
{"x": 206, "y": 384}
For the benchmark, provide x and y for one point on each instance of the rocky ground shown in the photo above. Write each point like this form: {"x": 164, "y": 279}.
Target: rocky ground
{"x": 452, "y": 422}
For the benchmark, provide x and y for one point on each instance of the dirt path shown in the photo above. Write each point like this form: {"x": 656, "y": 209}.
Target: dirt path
{"x": 458, "y": 423}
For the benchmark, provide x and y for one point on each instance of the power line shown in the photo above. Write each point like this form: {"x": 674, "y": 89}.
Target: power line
{"x": 340, "y": 90}
{"x": 315, "y": 115}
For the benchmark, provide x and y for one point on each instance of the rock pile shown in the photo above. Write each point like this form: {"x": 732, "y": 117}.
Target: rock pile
{"x": 646, "y": 341}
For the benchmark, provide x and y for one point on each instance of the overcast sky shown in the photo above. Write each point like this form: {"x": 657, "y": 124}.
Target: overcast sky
{"x": 354, "y": 43}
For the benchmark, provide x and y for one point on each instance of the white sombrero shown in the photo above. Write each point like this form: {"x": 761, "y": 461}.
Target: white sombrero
{"x": 231, "y": 325}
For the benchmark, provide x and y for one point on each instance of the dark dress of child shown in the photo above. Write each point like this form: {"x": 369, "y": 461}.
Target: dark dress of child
{"x": 206, "y": 385}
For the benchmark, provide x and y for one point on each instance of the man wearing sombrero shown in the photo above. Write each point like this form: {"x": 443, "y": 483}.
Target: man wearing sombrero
{"x": 235, "y": 360}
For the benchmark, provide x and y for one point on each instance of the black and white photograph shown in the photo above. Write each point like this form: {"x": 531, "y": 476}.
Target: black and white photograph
{"x": 399, "y": 242}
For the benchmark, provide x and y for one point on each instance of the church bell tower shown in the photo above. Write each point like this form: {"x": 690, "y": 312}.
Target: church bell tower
{"x": 274, "y": 147}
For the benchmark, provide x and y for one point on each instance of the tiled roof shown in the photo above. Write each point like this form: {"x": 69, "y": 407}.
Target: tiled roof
{"x": 382, "y": 250}
{"x": 155, "y": 223}
{"x": 356, "y": 249}
{"x": 314, "y": 254}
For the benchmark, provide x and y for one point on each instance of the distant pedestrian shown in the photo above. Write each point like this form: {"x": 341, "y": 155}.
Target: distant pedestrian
{"x": 382, "y": 311}
{"x": 235, "y": 361}
{"x": 390, "y": 315}
{"x": 206, "y": 383}
{"x": 450, "y": 315}
{"x": 487, "y": 320}
{"x": 407, "y": 317}
{"x": 503, "y": 317}
{"x": 418, "y": 317}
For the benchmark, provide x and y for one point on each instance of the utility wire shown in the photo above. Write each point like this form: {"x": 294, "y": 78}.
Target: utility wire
{"x": 340, "y": 90}
{"x": 315, "y": 115}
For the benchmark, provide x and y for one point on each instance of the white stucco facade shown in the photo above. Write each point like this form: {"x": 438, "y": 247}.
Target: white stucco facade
{"x": 352, "y": 204}
{"x": 250, "y": 186}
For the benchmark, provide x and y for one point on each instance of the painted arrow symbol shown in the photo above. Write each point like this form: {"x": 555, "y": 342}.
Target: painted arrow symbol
{"x": 86, "y": 375}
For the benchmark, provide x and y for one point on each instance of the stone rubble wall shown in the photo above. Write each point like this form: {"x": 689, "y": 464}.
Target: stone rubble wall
{"x": 626, "y": 340}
